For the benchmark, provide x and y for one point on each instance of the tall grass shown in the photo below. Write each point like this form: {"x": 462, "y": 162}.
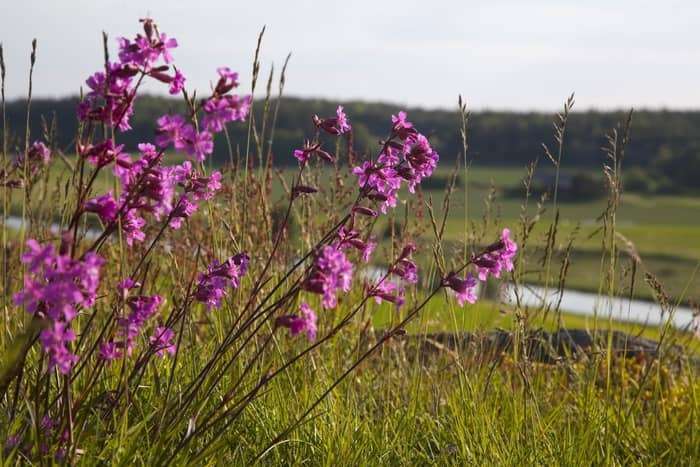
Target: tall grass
{"x": 238, "y": 382}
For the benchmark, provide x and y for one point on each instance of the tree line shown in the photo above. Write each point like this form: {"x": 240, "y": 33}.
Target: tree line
{"x": 663, "y": 155}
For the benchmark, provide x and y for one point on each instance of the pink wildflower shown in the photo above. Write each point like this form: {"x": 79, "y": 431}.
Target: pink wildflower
{"x": 170, "y": 131}
{"x": 498, "y": 258}
{"x": 177, "y": 84}
{"x": 465, "y": 289}
{"x": 162, "y": 341}
{"x": 337, "y": 125}
{"x": 55, "y": 287}
{"x": 389, "y": 291}
{"x": 331, "y": 272}
{"x": 104, "y": 206}
{"x": 212, "y": 286}
{"x": 304, "y": 322}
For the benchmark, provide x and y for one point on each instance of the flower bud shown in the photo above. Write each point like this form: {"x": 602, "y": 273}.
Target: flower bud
{"x": 160, "y": 76}
{"x": 126, "y": 71}
{"x": 407, "y": 251}
{"x": 377, "y": 197}
{"x": 364, "y": 211}
{"x": 325, "y": 155}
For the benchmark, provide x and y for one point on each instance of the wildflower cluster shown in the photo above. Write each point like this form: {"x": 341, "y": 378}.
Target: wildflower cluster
{"x": 55, "y": 289}
{"x": 222, "y": 107}
{"x": 162, "y": 341}
{"x": 304, "y": 322}
{"x": 26, "y": 167}
{"x": 337, "y": 125}
{"x": 331, "y": 272}
{"x": 113, "y": 91}
{"x": 38, "y": 155}
{"x": 212, "y": 285}
{"x": 405, "y": 157}
{"x": 496, "y": 258}
{"x": 141, "y": 309}
{"x": 147, "y": 185}
{"x": 403, "y": 271}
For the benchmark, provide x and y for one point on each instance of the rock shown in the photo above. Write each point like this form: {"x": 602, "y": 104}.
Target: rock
{"x": 543, "y": 346}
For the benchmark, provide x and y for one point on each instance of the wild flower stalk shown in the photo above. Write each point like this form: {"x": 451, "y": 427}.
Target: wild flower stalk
{"x": 105, "y": 314}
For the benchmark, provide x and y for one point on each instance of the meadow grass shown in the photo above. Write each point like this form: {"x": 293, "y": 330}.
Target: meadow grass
{"x": 241, "y": 380}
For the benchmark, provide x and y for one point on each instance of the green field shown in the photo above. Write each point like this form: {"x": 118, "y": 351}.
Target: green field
{"x": 665, "y": 230}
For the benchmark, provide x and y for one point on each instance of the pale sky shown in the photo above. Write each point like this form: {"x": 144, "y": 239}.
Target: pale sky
{"x": 500, "y": 54}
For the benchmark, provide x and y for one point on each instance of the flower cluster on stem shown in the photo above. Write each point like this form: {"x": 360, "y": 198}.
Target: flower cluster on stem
{"x": 213, "y": 285}
{"x": 55, "y": 289}
{"x": 496, "y": 258}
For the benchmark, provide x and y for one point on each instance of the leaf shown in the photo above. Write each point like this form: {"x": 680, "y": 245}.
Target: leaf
{"x": 14, "y": 356}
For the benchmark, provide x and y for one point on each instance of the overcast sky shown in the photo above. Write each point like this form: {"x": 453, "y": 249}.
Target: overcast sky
{"x": 522, "y": 55}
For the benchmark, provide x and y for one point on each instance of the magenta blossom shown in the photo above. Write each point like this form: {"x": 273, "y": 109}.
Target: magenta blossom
{"x": 183, "y": 210}
{"x": 170, "y": 131}
{"x": 56, "y": 284}
{"x": 349, "y": 238}
{"x": 54, "y": 340}
{"x": 304, "y": 154}
{"x": 222, "y": 107}
{"x": 337, "y": 125}
{"x": 380, "y": 180}
{"x": 410, "y": 159}
{"x": 103, "y": 153}
{"x": 142, "y": 309}
{"x": 162, "y": 341}
{"x": 110, "y": 351}
{"x": 110, "y": 99}
{"x": 212, "y": 286}
{"x": 104, "y": 206}
{"x": 38, "y": 156}
{"x": 465, "y": 289}
{"x": 39, "y": 152}
{"x": 197, "y": 144}
{"x": 228, "y": 79}
{"x": 498, "y": 258}
{"x": 201, "y": 188}
{"x": 112, "y": 93}
{"x": 221, "y": 110}
{"x": 406, "y": 269}
{"x": 196, "y": 188}
{"x": 401, "y": 126}
{"x": 132, "y": 224}
{"x": 146, "y": 50}
{"x": 389, "y": 291}
{"x": 304, "y": 322}
{"x": 330, "y": 273}
{"x": 55, "y": 288}
{"x": 366, "y": 252}
{"x": 421, "y": 159}
{"x": 177, "y": 84}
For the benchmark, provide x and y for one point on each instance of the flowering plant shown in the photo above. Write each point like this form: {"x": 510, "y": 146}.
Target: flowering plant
{"x": 156, "y": 280}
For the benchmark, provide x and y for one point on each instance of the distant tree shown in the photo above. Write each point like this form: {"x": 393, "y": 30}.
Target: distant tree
{"x": 664, "y": 144}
